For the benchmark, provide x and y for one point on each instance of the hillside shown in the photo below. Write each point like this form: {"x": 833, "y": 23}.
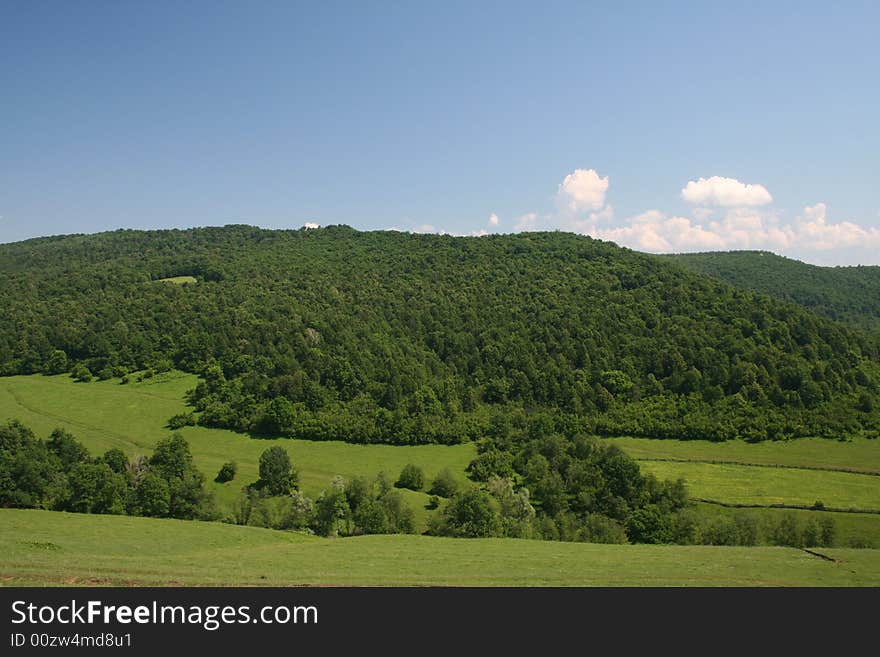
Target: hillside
{"x": 44, "y": 548}
{"x": 846, "y": 294}
{"x": 401, "y": 338}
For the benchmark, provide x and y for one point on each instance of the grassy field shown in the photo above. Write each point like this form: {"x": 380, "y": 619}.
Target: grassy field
{"x": 47, "y": 548}
{"x": 177, "y": 280}
{"x": 132, "y": 417}
{"x": 859, "y": 454}
{"x": 742, "y": 484}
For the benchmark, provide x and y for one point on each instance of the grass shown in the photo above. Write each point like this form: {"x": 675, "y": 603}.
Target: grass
{"x": 858, "y": 454}
{"x": 742, "y": 484}
{"x": 47, "y": 548}
{"x": 132, "y": 417}
{"x": 177, "y": 280}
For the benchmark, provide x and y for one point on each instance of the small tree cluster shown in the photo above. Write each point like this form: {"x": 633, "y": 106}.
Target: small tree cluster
{"x": 60, "y": 474}
{"x": 359, "y": 506}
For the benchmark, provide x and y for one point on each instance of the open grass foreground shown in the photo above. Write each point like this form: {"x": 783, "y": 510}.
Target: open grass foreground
{"x": 43, "y": 548}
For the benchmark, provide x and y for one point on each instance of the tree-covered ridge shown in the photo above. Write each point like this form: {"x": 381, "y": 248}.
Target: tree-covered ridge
{"x": 847, "y": 294}
{"x": 402, "y": 338}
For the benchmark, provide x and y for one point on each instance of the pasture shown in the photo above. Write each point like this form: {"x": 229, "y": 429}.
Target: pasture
{"x": 43, "y": 548}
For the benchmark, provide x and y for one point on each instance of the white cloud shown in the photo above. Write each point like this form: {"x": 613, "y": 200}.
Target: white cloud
{"x": 726, "y": 215}
{"x": 582, "y": 190}
{"x": 654, "y": 231}
{"x": 725, "y": 192}
{"x": 311, "y": 225}
{"x": 528, "y": 221}
{"x": 479, "y": 233}
{"x": 812, "y": 231}
{"x": 740, "y": 228}
{"x": 493, "y": 219}
{"x": 425, "y": 228}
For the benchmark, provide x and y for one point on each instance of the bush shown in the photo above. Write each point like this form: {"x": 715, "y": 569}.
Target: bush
{"x": 182, "y": 420}
{"x": 602, "y": 529}
{"x": 411, "y": 477}
{"x": 81, "y": 373}
{"x": 226, "y": 473}
{"x": 860, "y": 542}
{"x": 470, "y": 514}
{"x": 297, "y": 511}
{"x": 444, "y": 484}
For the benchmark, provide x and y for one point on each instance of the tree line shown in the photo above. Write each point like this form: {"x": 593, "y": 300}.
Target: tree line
{"x": 553, "y": 489}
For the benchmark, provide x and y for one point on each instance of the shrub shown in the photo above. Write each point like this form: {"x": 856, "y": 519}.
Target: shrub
{"x": 226, "y": 472}
{"x": 469, "y": 514}
{"x": 444, "y": 484}
{"x": 411, "y": 477}
{"x": 182, "y": 420}
{"x": 81, "y": 373}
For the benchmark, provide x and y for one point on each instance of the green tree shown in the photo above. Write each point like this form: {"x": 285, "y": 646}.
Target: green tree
{"x": 117, "y": 460}
{"x": 331, "y": 510}
{"x": 444, "y": 484}
{"x": 787, "y": 531}
{"x": 297, "y": 512}
{"x": 57, "y": 363}
{"x": 69, "y": 451}
{"x": 173, "y": 462}
{"x": 81, "y": 373}
{"x": 95, "y": 488}
{"x": 649, "y": 524}
{"x": 30, "y": 474}
{"x": 152, "y": 496}
{"x": 277, "y": 475}
{"x": 411, "y": 477}
{"x": 226, "y": 473}
{"x": 827, "y": 531}
{"x": 471, "y": 513}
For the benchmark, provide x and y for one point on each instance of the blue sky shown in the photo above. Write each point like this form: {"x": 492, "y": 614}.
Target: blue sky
{"x": 662, "y": 126}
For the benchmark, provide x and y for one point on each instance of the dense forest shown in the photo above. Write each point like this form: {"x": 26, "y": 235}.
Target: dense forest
{"x": 847, "y": 294}
{"x": 393, "y": 337}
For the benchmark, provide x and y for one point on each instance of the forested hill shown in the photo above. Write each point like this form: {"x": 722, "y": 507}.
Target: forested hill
{"x": 396, "y": 337}
{"x": 847, "y": 294}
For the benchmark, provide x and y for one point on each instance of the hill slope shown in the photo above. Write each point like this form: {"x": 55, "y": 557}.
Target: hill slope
{"x": 846, "y": 294}
{"x": 47, "y": 548}
{"x": 401, "y": 338}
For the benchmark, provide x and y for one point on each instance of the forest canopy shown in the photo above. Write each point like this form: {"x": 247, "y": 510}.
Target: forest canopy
{"x": 394, "y": 337}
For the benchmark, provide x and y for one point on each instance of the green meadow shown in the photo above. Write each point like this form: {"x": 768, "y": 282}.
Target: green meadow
{"x": 133, "y": 417}
{"x": 857, "y": 454}
{"x": 43, "y": 548}
{"x": 743, "y": 484}
{"x": 177, "y": 280}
